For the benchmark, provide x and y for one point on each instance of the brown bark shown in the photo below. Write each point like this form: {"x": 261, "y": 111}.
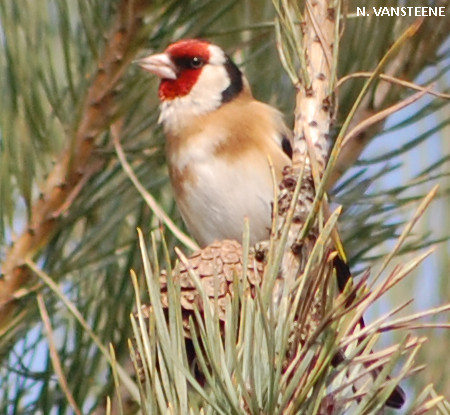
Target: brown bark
{"x": 78, "y": 161}
{"x": 313, "y": 117}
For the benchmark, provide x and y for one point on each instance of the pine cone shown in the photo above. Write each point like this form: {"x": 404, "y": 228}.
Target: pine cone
{"x": 217, "y": 266}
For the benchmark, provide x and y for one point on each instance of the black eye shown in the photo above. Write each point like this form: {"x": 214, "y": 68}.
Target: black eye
{"x": 196, "y": 62}
{"x": 187, "y": 62}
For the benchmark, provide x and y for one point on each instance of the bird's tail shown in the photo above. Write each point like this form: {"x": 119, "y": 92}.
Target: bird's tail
{"x": 397, "y": 397}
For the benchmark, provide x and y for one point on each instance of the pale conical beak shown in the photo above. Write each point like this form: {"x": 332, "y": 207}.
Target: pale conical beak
{"x": 160, "y": 64}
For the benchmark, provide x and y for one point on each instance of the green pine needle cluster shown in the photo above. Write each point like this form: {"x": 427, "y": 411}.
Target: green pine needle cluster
{"x": 71, "y": 94}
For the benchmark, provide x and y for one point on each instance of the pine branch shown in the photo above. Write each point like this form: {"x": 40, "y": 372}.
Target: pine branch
{"x": 313, "y": 118}
{"x": 94, "y": 253}
{"x": 78, "y": 162}
{"x": 244, "y": 349}
{"x": 194, "y": 301}
{"x": 424, "y": 47}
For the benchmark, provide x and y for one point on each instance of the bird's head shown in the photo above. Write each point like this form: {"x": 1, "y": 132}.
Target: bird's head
{"x": 195, "y": 75}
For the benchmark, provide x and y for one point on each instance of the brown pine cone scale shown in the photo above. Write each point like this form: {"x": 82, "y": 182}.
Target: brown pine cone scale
{"x": 216, "y": 266}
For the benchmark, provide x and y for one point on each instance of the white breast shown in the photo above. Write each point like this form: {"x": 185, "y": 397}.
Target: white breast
{"x": 220, "y": 169}
{"x": 223, "y": 193}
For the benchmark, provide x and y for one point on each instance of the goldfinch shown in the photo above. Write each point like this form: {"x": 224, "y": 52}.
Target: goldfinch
{"x": 221, "y": 143}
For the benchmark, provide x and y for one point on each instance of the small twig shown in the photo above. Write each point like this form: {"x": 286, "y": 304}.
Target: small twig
{"x": 406, "y": 231}
{"x": 320, "y": 35}
{"x": 405, "y": 321}
{"x": 407, "y": 34}
{"x": 66, "y": 179}
{"x": 381, "y": 115}
{"x": 392, "y": 80}
{"x": 150, "y": 200}
{"x": 130, "y": 385}
{"x": 72, "y": 196}
{"x": 56, "y": 362}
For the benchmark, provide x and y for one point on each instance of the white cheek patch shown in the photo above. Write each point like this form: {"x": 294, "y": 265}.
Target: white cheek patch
{"x": 216, "y": 55}
{"x": 207, "y": 92}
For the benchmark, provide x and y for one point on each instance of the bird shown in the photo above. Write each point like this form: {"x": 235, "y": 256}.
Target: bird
{"x": 222, "y": 147}
{"x": 221, "y": 142}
